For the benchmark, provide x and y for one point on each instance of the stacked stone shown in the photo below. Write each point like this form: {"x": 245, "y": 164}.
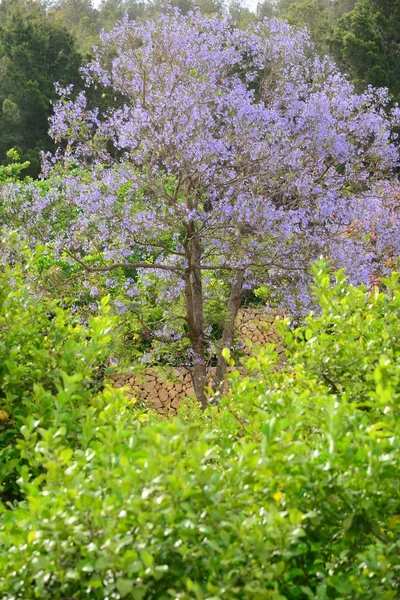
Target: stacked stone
{"x": 162, "y": 392}
{"x": 257, "y": 327}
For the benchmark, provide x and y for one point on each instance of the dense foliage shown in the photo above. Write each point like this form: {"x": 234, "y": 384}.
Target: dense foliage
{"x": 49, "y": 365}
{"x": 287, "y": 490}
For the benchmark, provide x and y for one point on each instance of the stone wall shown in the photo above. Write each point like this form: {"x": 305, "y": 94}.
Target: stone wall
{"x": 257, "y": 327}
{"x": 162, "y": 390}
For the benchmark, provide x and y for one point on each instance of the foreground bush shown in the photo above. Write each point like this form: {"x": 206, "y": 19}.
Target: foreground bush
{"x": 48, "y": 365}
{"x": 287, "y": 490}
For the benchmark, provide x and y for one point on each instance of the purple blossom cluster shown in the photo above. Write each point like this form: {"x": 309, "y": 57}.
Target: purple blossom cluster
{"x": 274, "y": 178}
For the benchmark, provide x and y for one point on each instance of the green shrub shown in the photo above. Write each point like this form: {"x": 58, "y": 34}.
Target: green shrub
{"x": 358, "y": 330}
{"x": 48, "y": 365}
{"x": 287, "y": 490}
{"x": 12, "y": 171}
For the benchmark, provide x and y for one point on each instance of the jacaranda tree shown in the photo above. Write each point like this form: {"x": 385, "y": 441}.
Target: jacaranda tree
{"x": 234, "y": 153}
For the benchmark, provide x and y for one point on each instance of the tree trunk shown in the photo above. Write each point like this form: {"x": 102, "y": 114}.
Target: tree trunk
{"x": 229, "y": 328}
{"x": 200, "y": 374}
{"x": 195, "y": 316}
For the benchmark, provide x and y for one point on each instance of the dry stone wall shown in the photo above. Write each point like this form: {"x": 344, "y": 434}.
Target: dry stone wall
{"x": 162, "y": 391}
{"x": 257, "y": 327}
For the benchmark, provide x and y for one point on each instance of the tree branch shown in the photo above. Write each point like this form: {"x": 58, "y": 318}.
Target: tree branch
{"x": 127, "y": 265}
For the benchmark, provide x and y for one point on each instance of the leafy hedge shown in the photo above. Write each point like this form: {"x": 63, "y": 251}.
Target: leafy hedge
{"x": 287, "y": 490}
{"x": 48, "y": 366}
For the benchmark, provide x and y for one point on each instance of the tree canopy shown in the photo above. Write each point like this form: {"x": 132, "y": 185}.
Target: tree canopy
{"x": 36, "y": 50}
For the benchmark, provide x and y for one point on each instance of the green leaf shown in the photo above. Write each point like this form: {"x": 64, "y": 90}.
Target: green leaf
{"x": 124, "y": 586}
{"x": 226, "y": 354}
{"x": 147, "y": 558}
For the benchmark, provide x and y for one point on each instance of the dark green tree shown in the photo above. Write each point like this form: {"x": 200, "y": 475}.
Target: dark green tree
{"x": 34, "y": 54}
{"x": 79, "y": 17}
{"x": 241, "y": 14}
{"x": 266, "y": 9}
{"x": 316, "y": 16}
{"x": 367, "y": 44}
{"x": 340, "y": 7}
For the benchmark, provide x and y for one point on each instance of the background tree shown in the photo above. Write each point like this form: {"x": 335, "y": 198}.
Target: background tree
{"x": 316, "y": 16}
{"x": 207, "y": 7}
{"x": 266, "y": 9}
{"x": 367, "y": 44}
{"x": 340, "y": 7}
{"x": 79, "y": 18}
{"x": 241, "y": 14}
{"x": 33, "y": 55}
{"x": 363, "y": 36}
{"x": 110, "y": 11}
